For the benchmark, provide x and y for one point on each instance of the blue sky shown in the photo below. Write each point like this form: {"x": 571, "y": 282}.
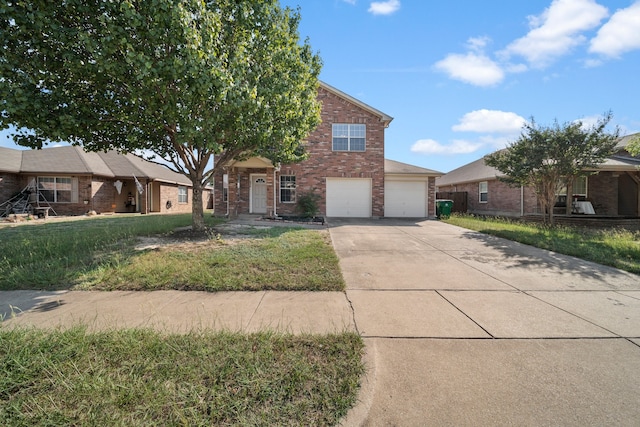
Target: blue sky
{"x": 460, "y": 77}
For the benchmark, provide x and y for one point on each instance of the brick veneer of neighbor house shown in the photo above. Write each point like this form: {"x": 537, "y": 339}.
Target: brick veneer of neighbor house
{"x": 502, "y": 200}
{"x": 10, "y": 185}
{"x": 322, "y": 163}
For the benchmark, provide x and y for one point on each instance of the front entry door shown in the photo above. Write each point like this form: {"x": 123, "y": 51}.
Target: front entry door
{"x": 258, "y": 194}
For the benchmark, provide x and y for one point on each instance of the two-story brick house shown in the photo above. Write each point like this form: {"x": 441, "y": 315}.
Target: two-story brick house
{"x": 345, "y": 169}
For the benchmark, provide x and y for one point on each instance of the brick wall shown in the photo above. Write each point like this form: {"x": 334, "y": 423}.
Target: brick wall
{"x": 502, "y": 200}
{"x": 602, "y": 191}
{"x": 311, "y": 174}
{"x": 10, "y": 184}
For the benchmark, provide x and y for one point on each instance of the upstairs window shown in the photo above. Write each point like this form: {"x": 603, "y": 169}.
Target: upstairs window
{"x": 287, "y": 189}
{"x": 349, "y": 137}
{"x": 483, "y": 190}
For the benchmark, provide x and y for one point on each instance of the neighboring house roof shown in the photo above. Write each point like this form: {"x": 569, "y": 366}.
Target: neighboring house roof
{"x": 384, "y": 118}
{"x": 10, "y": 160}
{"x": 74, "y": 160}
{"x": 398, "y": 168}
{"x": 478, "y": 171}
{"x": 471, "y": 172}
{"x": 623, "y": 141}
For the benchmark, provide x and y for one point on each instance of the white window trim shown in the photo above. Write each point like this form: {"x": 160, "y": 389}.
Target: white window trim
{"x": 295, "y": 188}
{"x": 185, "y": 195}
{"x": 480, "y": 192}
{"x": 73, "y": 192}
{"x": 349, "y": 150}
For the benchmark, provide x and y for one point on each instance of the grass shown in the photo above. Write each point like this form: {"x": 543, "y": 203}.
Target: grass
{"x": 100, "y": 254}
{"x": 616, "y": 247}
{"x": 145, "y": 378}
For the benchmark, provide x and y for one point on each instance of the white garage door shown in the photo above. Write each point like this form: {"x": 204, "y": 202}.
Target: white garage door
{"x": 349, "y": 197}
{"x": 405, "y": 199}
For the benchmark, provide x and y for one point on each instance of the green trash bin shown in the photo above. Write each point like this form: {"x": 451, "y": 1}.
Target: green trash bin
{"x": 443, "y": 208}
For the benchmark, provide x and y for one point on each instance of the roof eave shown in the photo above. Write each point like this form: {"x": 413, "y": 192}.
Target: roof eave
{"x": 385, "y": 119}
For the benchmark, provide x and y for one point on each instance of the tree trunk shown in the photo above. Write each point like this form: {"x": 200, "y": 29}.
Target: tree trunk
{"x": 569, "y": 208}
{"x": 197, "y": 211}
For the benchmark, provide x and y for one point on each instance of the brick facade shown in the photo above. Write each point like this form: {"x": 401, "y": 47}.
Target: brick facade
{"x": 502, "y": 200}
{"x": 323, "y": 163}
{"x": 602, "y": 191}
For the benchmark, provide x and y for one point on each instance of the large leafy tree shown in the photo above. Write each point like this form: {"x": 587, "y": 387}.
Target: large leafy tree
{"x": 185, "y": 79}
{"x": 549, "y": 158}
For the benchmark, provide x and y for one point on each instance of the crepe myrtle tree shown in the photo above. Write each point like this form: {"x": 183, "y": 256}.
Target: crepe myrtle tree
{"x": 184, "y": 79}
{"x": 634, "y": 146}
{"x": 548, "y": 158}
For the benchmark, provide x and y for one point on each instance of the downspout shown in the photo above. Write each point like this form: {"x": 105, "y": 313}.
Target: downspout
{"x": 522, "y": 200}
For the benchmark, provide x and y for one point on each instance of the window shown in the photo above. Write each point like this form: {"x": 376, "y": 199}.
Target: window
{"x": 56, "y": 189}
{"x": 484, "y": 192}
{"x": 348, "y": 137}
{"x": 225, "y": 187}
{"x": 287, "y": 189}
{"x": 579, "y": 187}
{"x": 182, "y": 194}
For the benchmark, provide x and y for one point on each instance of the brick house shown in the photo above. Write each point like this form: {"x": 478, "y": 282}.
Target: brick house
{"x": 346, "y": 170}
{"x": 613, "y": 191}
{"x": 71, "y": 181}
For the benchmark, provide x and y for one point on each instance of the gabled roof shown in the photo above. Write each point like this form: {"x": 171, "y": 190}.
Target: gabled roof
{"x": 384, "y": 118}
{"x": 10, "y": 160}
{"x": 479, "y": 171}
{"x": 73, "y": 160}
{"x": 398, "y": 168}
{"x": 471, "y": 172}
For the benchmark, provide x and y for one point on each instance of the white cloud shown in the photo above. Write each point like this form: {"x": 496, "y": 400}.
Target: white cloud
{"x": 477, "y": 44}
{"x": 458, "y": 146}
{"x": 490, "y": 121}
{"x": 474, "y": 68}
{"x": 556, "y": 31}
{"x": 384, "y": 7}
{"x": 621, "y": 34}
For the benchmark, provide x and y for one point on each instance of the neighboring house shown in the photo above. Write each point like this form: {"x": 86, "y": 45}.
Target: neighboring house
{"x": 72, "y": 181}
{"x": 346, "y": 169}
{"x": 614, "y": 191}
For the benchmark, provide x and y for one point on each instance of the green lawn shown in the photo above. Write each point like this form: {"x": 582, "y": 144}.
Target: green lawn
{"x": 140, "y": 377}
{"x": 101, "y": 254}
{"x": 143, "y": 378}
{"x": 617, "y": 248}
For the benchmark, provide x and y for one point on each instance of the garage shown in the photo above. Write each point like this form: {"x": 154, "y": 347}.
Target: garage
{"x": 408, "y": 190}
{"x": 349, "y": 197}
{"x": 405, "y": 199}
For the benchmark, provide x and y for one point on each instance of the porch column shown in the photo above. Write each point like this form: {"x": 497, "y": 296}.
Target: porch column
{"x": 232, "y": 192}
{"x": 271, "y": 188}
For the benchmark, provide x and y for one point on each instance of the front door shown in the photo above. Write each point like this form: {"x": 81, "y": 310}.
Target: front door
{"x": 258, "y": 194}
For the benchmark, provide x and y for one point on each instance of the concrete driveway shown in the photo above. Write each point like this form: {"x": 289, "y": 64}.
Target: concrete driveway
{"x": 467, "y": 329}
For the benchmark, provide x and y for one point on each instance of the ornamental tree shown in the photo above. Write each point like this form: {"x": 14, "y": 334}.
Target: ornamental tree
{"x": 184, "y": 79}
{"x": 549, "y": 158}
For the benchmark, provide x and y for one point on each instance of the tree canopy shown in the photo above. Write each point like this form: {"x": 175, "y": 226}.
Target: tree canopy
{"x": 548, "y": 158}
{"x": 185, "y": 79}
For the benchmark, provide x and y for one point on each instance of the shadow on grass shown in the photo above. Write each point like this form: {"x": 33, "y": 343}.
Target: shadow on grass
{"x": 540, "y": 251}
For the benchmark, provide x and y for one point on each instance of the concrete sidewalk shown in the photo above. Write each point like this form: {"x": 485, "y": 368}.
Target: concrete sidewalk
{"x": 466, "y": 329}
{"x": 176, "y": 311}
